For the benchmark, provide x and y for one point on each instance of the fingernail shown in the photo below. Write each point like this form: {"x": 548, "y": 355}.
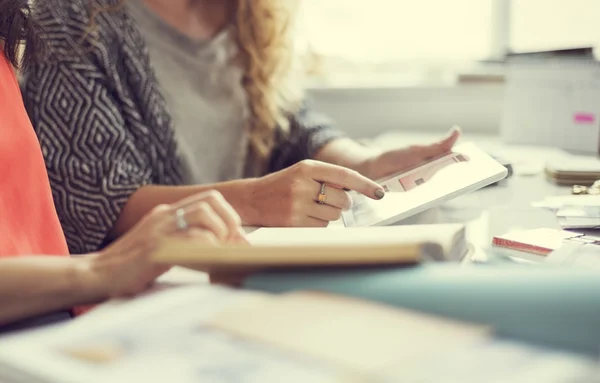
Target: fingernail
{"x": 455, "y": 128}
{"x": 379, "y": 193}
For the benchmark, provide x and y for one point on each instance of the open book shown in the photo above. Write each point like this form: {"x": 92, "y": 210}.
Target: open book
{"x": 316, "y": 247}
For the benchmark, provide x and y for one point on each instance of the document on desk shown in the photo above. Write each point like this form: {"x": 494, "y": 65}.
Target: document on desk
{"x": 579, "y": 217}
{"x": 583, "y": 255}
{"x": 557, "y": 202}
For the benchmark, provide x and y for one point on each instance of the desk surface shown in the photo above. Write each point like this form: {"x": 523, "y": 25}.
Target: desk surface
{"x": 492, "y": 211}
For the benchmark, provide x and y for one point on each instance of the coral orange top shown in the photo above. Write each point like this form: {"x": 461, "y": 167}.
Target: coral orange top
{"x": 28, "y": 221}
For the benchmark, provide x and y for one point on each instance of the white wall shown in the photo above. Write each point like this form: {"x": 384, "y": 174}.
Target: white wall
{"x": 369, "y": 112}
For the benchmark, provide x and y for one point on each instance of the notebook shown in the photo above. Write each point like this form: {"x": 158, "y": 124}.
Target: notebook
{"x": 573, "y": 170}
{"x": 541, "y": 241}
{"x": 450, "y": 239}
{"x": 318, "y": 247}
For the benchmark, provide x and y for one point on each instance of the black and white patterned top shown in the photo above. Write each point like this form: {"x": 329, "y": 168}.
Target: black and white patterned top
{"x": 103, "y": 124}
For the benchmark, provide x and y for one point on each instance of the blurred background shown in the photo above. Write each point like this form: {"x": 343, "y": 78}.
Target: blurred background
{"x": 382, "y": 65}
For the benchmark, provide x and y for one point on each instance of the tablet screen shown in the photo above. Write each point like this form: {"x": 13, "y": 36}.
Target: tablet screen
{"x": 464, "y": 170}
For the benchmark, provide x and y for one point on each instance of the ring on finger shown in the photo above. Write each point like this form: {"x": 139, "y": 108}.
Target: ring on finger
{"x": 180, "y": 220}
{"x": 322, "y": 197}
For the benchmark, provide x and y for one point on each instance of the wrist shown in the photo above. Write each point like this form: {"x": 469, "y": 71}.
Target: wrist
{"x": 240, "y": 194}
{"x": 86, "y": 279}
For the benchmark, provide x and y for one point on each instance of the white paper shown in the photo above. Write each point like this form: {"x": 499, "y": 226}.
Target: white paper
{"x": 557, "y": 202}
{"x": 576, "y": 255}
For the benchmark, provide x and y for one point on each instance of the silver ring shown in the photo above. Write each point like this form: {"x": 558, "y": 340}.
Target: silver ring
{"x": 180, "y": 219}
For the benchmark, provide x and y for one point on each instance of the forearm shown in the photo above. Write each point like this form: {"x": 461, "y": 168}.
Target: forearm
{"x": 36, "y": 285}
{"x": 147, "y": 197}
{"x": 348, "y": 153}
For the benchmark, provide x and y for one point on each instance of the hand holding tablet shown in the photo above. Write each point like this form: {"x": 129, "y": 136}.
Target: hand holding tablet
{"x": 396, "y": 160}
{"x": 461, "y": 171}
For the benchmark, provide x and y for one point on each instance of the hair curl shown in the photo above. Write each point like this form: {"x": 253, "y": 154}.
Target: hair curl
{"x": 264, "y": 34}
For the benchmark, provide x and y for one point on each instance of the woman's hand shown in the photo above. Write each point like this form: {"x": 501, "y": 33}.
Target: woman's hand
{"x": 124, "y": 268}
{"x": 290, "y": 196}
{"x": 393, "y": 161}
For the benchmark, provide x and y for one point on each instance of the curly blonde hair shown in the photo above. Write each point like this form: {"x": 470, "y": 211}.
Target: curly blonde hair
{"x": 264, "y": 34}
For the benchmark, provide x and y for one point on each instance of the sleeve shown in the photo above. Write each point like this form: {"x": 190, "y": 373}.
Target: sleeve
{"x": 91, "y": 157}
{"x": 309, "y": 132}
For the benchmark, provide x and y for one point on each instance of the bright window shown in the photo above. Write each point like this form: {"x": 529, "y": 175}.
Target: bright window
{"x": 390, "y": 30}
{"x": 551, "y": 24}
{"x": 416, "y": 41}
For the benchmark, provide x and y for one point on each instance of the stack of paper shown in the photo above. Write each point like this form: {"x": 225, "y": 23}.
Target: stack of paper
{"x": 574, "y": 211}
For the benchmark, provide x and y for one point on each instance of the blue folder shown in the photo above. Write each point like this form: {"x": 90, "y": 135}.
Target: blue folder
{"x": 555, "y": 307}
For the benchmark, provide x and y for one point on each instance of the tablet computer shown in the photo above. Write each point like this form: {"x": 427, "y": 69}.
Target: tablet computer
{"x": 464, "y": 170}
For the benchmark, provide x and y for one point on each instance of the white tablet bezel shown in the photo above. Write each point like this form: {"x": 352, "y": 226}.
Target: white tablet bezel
{"x": 479, "y": 171}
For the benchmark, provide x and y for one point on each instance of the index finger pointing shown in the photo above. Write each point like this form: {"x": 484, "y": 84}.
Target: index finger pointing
{"x": 347, "y": 179}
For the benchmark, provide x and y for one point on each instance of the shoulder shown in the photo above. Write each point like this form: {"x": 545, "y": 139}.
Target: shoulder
{"x": 69, "y": 26}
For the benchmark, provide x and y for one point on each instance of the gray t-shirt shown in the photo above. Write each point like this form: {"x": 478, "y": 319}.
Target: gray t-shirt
{"x": 204, "y": 94}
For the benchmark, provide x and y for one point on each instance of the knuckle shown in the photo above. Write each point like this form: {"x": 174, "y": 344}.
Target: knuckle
{"x": 294, "y": 184}
{"x": 344, "y": 173}
{"x": 306, "y": 166}
{"x": 161, "y": 209}
{"x": 235, "y": 217}
{"x": 295, "y": 190}
{"x": 207, "y": 236}
{"x": 214, "y": 196}
{"x": 204, "y": 208}
{"x": 199, "y": 214}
